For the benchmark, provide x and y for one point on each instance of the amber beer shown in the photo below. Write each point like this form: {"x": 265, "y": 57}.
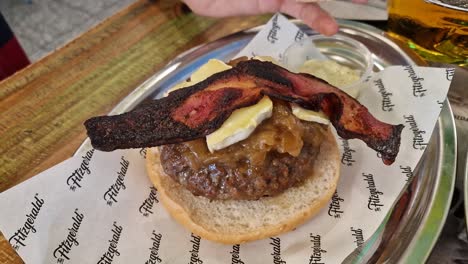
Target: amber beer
{"x": 436, "y": 29}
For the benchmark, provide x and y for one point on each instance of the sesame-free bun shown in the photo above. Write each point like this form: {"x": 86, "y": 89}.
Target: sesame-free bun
{"x": 239, "y": 221}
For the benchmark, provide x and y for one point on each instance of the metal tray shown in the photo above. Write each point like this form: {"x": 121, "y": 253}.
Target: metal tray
{"x": 465, "y": 194}
{"x": 412, "y": 227}
{"x": 465, "y": 191}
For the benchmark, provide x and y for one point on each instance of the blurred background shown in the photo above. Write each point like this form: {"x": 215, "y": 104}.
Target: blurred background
{"x": 41, "y": 26}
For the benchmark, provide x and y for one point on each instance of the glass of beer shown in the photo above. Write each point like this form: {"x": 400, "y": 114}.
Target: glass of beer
{"x": 436, "y": 29}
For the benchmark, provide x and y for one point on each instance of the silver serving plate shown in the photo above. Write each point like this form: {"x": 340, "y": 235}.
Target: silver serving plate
{"x": 412, "y": 227}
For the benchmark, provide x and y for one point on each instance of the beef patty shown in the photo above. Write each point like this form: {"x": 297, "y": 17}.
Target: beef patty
{"x": 279, "y": 154}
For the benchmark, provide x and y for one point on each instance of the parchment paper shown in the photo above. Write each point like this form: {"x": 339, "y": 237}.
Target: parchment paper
{"x": 100, "y": 207}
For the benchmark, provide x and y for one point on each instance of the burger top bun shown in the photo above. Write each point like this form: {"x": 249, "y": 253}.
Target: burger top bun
{"x": 236, "y": 222}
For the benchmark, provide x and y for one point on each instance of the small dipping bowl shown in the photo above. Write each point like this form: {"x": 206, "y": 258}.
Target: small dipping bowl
{"x": 341, "y": 49}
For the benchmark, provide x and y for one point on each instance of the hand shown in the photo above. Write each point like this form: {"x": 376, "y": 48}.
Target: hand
{"x": 310, "y": 13}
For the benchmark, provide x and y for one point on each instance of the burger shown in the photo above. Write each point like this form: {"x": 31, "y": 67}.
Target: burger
{"x": 244, "y": 153}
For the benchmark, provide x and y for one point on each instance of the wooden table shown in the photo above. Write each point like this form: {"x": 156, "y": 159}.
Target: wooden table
{"x": 43, "y": 107}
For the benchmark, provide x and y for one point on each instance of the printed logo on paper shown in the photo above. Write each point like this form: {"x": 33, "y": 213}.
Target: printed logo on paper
{"x": 407, "y": 172}
{"x": 74, "y": 180}
{"x": 334, "y": 209}
{"x": 272, "y": 36}
{"x": 61, "y": 253}
{"x": 154, "y": 249}
{"x": 358, "y": 237}
{"x": 440, "y": 103}
{"x": 195, "y": 251}
{"x": 276, "y": 254}
{"x": 347, "y": 156}
{"x": 299, "y": 35}
{"x": 112, "y": 250}
{"x": 374, "y": 202}
{"x": 418, "y": 140}
{"x": 317, "y": 250}
{"x": 235, "y": 255}
{"x": 147, "y": 207}
{"x": 387, "y": 104}
{"x": 110, "y": 196}
{"x": 18, "y": 239}
{"x": 449, "y": 72}
{"x": 418, "y": 89}
{"x": 143, "y": 152}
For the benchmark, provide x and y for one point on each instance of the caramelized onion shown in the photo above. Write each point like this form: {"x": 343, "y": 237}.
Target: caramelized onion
{"x": 279, "y": 154}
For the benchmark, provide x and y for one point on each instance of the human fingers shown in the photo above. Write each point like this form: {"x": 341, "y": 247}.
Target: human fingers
{"x": 360, "y": 1}
{"x": 312, "y": 15}
{"x": 318, "y": 1}
{"x": 226, "y": 8}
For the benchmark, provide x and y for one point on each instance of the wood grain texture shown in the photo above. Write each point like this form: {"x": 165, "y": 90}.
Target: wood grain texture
{"x": 44, "y": 106}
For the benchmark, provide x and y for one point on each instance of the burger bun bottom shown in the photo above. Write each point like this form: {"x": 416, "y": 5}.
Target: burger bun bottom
{"x": 240, "y": 221}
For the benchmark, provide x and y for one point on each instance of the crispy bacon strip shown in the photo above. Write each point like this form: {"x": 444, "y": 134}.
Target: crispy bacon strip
{"x": 199, "y": 110}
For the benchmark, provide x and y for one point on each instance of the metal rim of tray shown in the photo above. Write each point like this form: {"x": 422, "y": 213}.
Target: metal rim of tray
{"x": 412, "y": 227}
{"x": 466, "y": 192}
